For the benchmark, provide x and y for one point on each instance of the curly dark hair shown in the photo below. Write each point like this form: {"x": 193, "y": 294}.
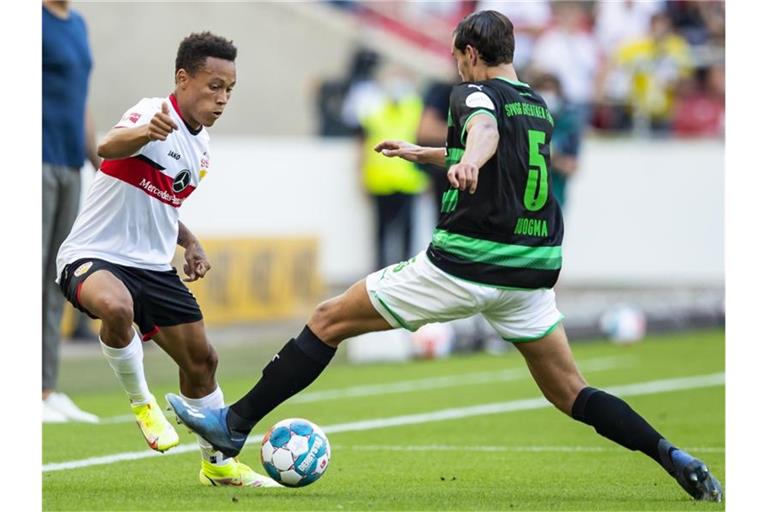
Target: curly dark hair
{"x": 490, "y": 33}
{"x": 195, "y": 48}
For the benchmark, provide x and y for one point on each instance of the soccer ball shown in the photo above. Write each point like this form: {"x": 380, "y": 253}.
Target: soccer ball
{"x": 295, "y": 452}
{"x": 623, "y": 324}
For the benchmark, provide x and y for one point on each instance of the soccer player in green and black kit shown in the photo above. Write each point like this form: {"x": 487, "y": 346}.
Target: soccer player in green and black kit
{"x": 496, "y": 251}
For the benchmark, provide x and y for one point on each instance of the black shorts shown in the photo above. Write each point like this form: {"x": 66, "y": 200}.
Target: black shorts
{"x": 160, "y": 299}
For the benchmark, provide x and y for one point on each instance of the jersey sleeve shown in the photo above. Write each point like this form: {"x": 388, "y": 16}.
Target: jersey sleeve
{"x": 468, "y": 101}
{"x": 140, "y": 113}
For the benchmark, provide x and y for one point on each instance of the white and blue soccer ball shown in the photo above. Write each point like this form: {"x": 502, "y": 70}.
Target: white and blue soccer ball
{"x": 295, "y": 452}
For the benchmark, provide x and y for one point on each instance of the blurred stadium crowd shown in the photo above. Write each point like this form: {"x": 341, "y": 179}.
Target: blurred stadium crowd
{"x": 642, "y": 67}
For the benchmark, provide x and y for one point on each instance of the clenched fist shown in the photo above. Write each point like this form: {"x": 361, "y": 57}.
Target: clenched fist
{"x": 161, "y": 125}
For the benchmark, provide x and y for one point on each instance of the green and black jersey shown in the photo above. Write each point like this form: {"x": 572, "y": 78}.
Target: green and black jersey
{"x": 509, "y": 232}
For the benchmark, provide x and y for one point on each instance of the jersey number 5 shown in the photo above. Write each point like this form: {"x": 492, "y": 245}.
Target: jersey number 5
{"x": 537, "y": 188}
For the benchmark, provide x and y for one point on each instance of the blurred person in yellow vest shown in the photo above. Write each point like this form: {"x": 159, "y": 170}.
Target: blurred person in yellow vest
{"x": 655, "y": 64}
{"x": 392, "y": 183}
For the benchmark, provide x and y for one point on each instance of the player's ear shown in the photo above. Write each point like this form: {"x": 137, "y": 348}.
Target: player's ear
{"x": 472, "y": 54}
{"x": 182, "y": 77}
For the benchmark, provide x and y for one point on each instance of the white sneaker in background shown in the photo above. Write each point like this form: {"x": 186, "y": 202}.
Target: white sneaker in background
{"x": 65, "y": 406}
{"x": 51, "y": 415}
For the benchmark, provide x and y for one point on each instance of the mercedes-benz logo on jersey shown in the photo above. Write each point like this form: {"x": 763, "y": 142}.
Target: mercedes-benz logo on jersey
{"x": 181, "y": 181}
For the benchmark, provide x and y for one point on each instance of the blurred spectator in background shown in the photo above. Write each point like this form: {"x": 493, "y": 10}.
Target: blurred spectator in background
{"x": 530, "y": 19}
{"x": 700, "y": 110}
{"x": 393, "y": 183}
{"x": 339, "y": 102}
{"x": 615, "y": 70}
{"x": 364, "y": 93}
{"x": 656, "y": 64}
{"x": 713, "y": 14}
{"x": 432, "y": 132}
{"x": 67, "y": 139}
{"x": 698, "y": 22}
{"x": 687, "y": 19}
{"x": 617, "y": 22}
{"x": 568, "y": 51}
{"x": 566, "y": 135}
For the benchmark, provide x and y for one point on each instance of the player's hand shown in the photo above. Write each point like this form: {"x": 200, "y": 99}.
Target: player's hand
{"x": 161, "y": 125}
{"x": 196, "y": 263}
{"x": 404, "y": 150}
{"x": 464, "y": 176}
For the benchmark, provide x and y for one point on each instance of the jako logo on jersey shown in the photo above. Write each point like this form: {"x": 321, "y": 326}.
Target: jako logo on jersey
{"x": 204, "y": 162}
{"x": 181, "y": 181}
{"x": 174, "y": 155}
{"x": 82, "y": 269}
{"x": 476, "y": 86}
{"x": 134, "y": 116}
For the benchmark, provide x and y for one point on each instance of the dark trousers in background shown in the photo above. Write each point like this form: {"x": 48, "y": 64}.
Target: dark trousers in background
{"x": 394, "y": 226}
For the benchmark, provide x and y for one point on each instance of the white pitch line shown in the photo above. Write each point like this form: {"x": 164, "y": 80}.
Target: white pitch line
{"x": 447, "y": 381}
{"x": 411, "y": 386}
{"x": 641, "y": 388}
{"x": 481, "y": 448}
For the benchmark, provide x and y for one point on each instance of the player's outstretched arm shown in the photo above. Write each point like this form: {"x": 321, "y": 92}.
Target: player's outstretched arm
{"x": 482, "y": 142}
{"x": 123, "y": 142}
{"x": 412, "y": 152}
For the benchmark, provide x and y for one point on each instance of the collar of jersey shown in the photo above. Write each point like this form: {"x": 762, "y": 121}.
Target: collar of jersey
{"x": 513, "y": 82}
{"x": 176, "y": 108}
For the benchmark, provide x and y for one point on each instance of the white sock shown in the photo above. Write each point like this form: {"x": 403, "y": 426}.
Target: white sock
{"x": 213, "y": 401}
{"x": 128, "y": 365}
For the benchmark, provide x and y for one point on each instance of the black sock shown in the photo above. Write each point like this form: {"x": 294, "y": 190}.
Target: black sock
{"x": 613, "y": 418}
{"x": 294, "y": 368}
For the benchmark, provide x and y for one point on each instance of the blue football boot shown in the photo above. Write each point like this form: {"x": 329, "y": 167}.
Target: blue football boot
{"x": 210, "y": 424}
{"x": 691, "y": 473}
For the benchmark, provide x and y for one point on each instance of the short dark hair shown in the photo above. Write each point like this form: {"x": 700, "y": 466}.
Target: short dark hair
{"x": 490, "y": 33}
{"x": 195, "y": 48}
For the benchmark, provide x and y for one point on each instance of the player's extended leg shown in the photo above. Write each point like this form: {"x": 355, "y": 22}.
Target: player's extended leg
{"x": 188, "y": 346}
{"x": 292, "y": 369}
{"x": 348, "y": 315}
{"x": 107, "y": 298}
{"x": 552, "y": 365}
{"x": 303, "y": 358}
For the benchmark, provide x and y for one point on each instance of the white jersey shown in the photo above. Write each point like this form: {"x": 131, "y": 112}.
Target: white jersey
{"x": 131, "y": 212}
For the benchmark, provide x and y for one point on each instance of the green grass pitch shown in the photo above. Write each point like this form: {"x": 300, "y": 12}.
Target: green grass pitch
{"x": 532, "y": 458}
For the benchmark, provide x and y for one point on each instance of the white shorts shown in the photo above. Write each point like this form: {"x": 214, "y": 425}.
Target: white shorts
{"x": 416, "y": 292}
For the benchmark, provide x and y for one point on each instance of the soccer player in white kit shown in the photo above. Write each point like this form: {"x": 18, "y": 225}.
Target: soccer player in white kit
{"x": 115, "y": 265}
